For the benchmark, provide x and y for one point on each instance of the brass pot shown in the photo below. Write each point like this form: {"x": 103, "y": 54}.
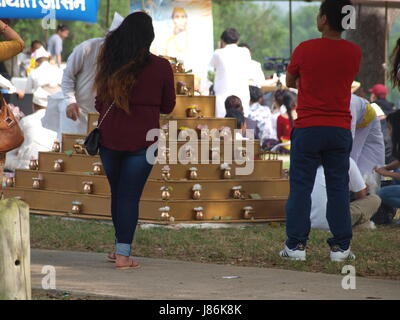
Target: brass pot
{"x": 58, "y": 167}
{"x": 79, "y": 149}
{"x": 76, "y": 208}
{"x": 165, "y": 195}
{"x": 248, "y": 214}
{"x": 193, "y": 175}
{"x": 36, "y": 184}
{"x": 33, "y": 165}
{"x": 196, "y": 195}
{"x": 192, "y": 113}
{"x": 166, "y": 175}
{"x": 165, "y": 215}
{"x": 199, "y": 215}
{"x": 227, "y": 174}
{"x": 10, "y": 182}
{"x": 237, "y": 194}
{"x": 97, "y": 170}
{"x": 87, "y": 187}
{"x": 56, "y": 146}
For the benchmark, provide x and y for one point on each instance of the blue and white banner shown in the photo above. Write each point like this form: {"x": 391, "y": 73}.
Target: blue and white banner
{"x": 76, "y": 10}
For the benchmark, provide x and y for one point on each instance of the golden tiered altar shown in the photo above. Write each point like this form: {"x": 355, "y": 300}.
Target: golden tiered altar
{"x": 68, "y": 182}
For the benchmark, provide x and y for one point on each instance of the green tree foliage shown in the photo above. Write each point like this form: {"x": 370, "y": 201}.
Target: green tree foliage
{"x": 261, "y": 26}
{"x": 304, "y": 24}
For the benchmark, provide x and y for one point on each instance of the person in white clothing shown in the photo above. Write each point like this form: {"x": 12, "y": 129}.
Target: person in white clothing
{"x": 78, "y": 79}
{"x": 257, "y": 77}
{"x": 232, "y": 74}
{"x": 7, "y": 85}
{"x": 362, "y": 209}
{"x": 46, "y": 75}
{"x": 37, "y": 138}
{"x": 368, "y": 142}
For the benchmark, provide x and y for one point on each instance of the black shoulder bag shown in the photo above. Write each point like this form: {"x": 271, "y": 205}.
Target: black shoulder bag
{"x": 92, "y": 141}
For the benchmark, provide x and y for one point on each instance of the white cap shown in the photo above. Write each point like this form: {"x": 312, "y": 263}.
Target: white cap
{"x": 40, "y": 97}
{"x": 116, "y": 21}
{"x": 41, "y": 53}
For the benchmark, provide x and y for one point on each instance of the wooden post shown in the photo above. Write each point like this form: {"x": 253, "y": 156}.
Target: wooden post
{"x": 15, "y": 274}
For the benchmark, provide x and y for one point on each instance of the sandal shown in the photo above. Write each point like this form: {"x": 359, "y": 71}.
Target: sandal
{"x": 132, "y": 265}
{"x": 111, "y": 257}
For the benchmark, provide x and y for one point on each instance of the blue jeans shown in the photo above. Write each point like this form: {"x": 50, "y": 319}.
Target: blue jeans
{"x": 127, "y": 173}
{"x": 390, "y": 195}
{"x": 311, "y": 147}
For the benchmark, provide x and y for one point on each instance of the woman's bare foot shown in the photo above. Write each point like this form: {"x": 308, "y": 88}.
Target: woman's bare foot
{"x": 123, "y": 262}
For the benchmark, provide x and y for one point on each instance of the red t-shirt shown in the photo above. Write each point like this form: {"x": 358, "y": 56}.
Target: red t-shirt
{"x": 326, "y": 70}
{"x": 283, "y": 128}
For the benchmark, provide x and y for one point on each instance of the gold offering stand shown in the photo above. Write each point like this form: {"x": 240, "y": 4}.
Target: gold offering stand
{"x": 68, "y": 182}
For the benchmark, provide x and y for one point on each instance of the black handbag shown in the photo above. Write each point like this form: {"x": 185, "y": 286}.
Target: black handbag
{"x": 92, "y": 141}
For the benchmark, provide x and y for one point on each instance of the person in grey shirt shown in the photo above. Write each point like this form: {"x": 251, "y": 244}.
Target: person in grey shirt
{"x": 55, "y": 43}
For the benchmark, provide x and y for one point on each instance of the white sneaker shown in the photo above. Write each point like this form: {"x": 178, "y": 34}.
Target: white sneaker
{"x": 339, "y": 255}
{"x": 299, "y": 253}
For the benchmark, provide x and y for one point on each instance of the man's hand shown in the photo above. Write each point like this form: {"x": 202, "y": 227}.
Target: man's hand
{"x": 382, "y": 171}
{"x": 20, "y": 94}
{"x": 73, "y": 111}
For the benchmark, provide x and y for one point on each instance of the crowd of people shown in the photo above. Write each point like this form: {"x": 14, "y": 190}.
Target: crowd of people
{"x": 338, "y": 141}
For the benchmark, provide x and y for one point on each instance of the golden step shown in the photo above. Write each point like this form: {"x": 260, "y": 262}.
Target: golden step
{"x": 263, "y": 169}
{"x": 62, "y": 182}
{"x": 182, "y": 121}
{"x": 69, "y": 140}
{"x": 206, "y": 105}
{"x": 216, "y": 189}
{"x": 61, "y": 201}
{"x": 82, "y": 163}
{"x": 271, "y": 209}
{"x": 73, "y": 163}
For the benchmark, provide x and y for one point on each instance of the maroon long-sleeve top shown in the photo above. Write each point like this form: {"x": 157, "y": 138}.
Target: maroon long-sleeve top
{"x": 154, "y": 93}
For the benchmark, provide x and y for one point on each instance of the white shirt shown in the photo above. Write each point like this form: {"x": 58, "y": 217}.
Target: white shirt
{"x": 319, "y": 197}
{"x": 36, "y": 139}
{"x": 78, "y": 79}
{"x": 257, "y": 76}
{"x": 6, "y": 84}
{"x": 232, "y": 76}
{"x": 44, "y": 75}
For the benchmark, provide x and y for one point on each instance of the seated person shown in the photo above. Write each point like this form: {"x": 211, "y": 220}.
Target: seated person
{"x": 361, "y": 210}
{"x": 46, "y": 75}
{"x": 234, "y": 109}
{"x": 37, "y": 138}
{"x": 261, "y": 114}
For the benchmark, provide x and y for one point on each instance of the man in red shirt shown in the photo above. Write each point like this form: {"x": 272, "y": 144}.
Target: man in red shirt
{"x": 323, "y": 71}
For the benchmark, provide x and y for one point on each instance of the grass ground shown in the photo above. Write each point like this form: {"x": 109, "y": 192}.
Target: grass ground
{"x": 377, "y": 251}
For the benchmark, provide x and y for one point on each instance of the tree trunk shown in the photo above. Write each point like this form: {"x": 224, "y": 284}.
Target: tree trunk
{"x": 370, "y": 36}
{"x": 15, "y": 274}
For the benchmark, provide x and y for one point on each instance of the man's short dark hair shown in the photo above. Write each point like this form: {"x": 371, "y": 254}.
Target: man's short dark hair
{"x": 230, "y": 36}
{"x": 332, "y": 9}
{"x": 62, "y": 27}
{"x": 255, "y": 94}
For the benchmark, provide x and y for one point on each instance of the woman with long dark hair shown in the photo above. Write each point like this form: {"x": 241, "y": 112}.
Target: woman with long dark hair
{"x": 395, "y": 61}
{"x": 390, "y": 195}
{"x": 133, "y": 88}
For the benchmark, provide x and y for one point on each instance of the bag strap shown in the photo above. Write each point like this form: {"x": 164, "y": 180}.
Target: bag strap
{"x": 105, "y": 115}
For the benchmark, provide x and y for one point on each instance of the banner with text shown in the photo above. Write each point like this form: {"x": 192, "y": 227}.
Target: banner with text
{"x": 76, "y": 10}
